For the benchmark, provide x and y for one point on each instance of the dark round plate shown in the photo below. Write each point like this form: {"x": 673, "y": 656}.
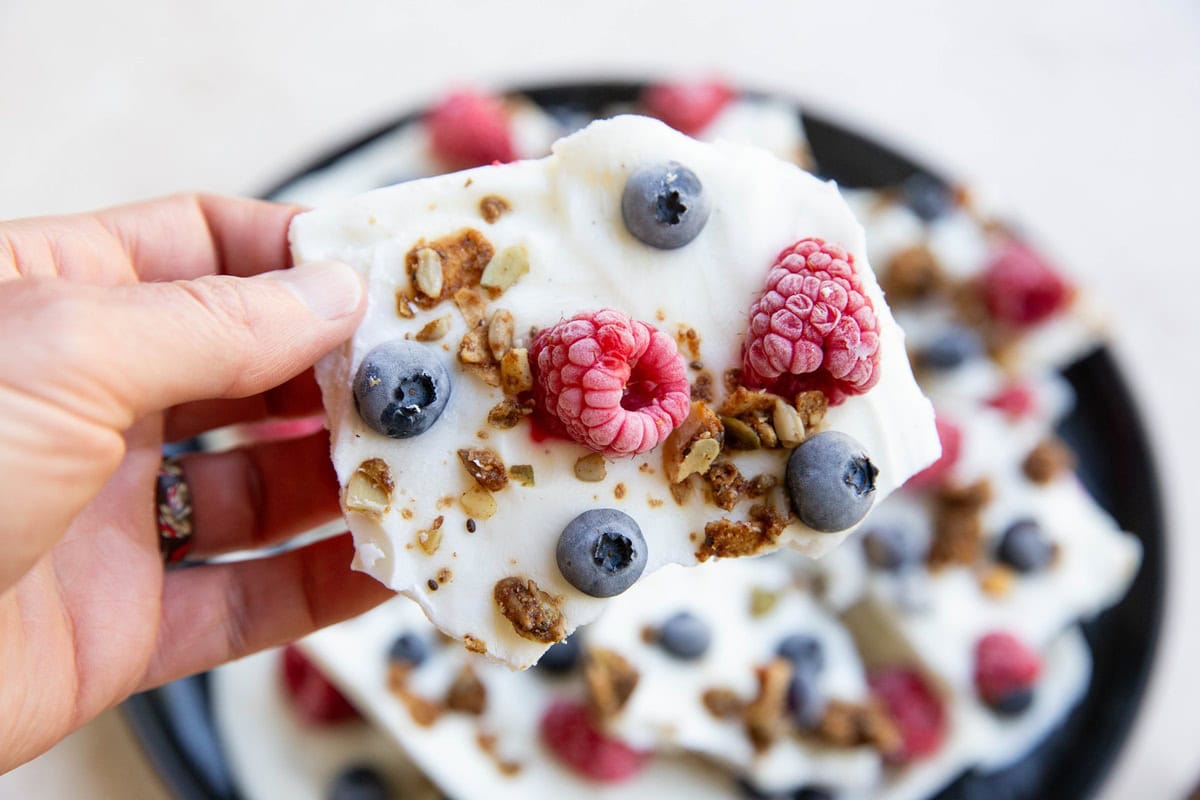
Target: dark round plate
{"x": 175, "y": 725}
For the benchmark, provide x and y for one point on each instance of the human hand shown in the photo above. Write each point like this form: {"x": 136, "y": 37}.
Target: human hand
{"x": 120, "y": 330}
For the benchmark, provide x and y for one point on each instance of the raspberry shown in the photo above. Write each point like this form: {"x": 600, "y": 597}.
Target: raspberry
{"x": 568, "y": 731}
{"x": 1015, "y": 400}
{"x": 812, "y": 328}
{"x": 470, "y": 129}
{"x": 950, "y": 437}
{"x": 611, "y": 383}
{"x": 687, "y": 106}
{"x": 1020, "y": 288}
{"x": 915, "y": 709}
{"x": 1003, "y": 666}
{"x": 315, "y": 699}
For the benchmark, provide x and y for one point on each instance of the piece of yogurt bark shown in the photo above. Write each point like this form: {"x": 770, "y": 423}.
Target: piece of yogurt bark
{"x": 526, "y": 288}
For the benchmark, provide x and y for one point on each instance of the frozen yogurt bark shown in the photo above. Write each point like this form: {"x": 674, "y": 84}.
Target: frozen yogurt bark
{"x": 576, "y": 370}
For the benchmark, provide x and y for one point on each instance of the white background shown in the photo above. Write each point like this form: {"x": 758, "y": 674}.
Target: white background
{"x": 1082, "y": 119}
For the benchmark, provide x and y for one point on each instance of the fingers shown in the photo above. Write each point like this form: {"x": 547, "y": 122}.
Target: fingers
{"x": 253, "y": 496}
{"x": 216, "y": 613}
{"x": 298, "y": 397}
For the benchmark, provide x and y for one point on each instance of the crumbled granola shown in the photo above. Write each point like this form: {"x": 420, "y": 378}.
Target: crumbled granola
{"x": 369, "y": 490}
{"x": 680, "y": 492}
{"x": 610, "y": 680}
{"x": 619, "y": 491}
{"x": 485, "y": 466}
{"x": 688, "y": 341}
{"x": 725, "y": 483}
{"x": 997, "y": 580}
{"x": 732, "y": 379}
{"x": 434, "y": 329}
{"x": 424, "y": 712}
{"x": 487, "y": 743}
{"x": 1048, "y": 460}
{"x": 461, "y": 258}
{"x": 466, "y": 692}
{"x": 702, "y": 387}
{"x": 812, "y": 405}
{"x": 764, "y": 716}
{"x": 693, "y": 446}
{"x": 534, "y": 614}
{"x": 522, "y": 474}
{"x": 471, "y": 304}
{"x": 845, "y": 725}
{"x": 492, "y": 207}
{"x": 747, "y": 401}
{"x": 403, "y": 305}
{"x": 474, "y": 644}
{"x": 760, "y": 486}
{"x": 591, "y": 468}
{"x": 506, "y": 268}
{"x": 430, "y": 539}
{"x": 507, "y": 413}
{"x": 516, "y": 376}
{"x": 725, "y": 538}
{"x": 723, "y": 703}
{"x": 476, "y": 357}
{"x": 958, "y": 524}
{"x": 912, "y": 274}
{"x": 500, "y": 333}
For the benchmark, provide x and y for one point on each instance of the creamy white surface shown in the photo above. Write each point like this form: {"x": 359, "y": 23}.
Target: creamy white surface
{"x": 565, "y": 210}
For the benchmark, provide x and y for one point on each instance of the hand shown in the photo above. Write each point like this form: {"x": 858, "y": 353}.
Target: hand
{"x": 120, "y": 330}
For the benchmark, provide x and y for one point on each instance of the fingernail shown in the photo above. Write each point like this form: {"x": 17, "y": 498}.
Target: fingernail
{"x": 330, "y": 289}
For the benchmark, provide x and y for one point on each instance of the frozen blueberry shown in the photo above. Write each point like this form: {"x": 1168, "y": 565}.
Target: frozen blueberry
{"x": 359, "y": 782}
{"x": 409, "y": 648}
{"x": 562, "y": 657}
{"x": 685, "y": 636}
{"x": 812, "y": 793}
{"x": 602, "y": 552}
{"x": 928, "y": 197}
{"x": 804, "y": 700}
{"x": 1024, "y": 547}
{"x": 830, "y": 481}
{"x": 1014, "y": 702}
{"x": 664, "y": 205}
{"x": 893, "y": 547}
{"x": 952, "y": 348}
{"x": 804, "y": 651}
{"x": 401, "y": 388}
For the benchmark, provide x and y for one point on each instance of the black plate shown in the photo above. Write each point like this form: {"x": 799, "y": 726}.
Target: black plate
{"x": 175, "y": 726}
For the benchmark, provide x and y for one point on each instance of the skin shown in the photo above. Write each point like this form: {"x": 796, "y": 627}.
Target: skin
{"x": 121, "y": 330}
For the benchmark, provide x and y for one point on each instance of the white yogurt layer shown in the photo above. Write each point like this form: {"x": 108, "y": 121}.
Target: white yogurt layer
{"x": 565, "y": 212}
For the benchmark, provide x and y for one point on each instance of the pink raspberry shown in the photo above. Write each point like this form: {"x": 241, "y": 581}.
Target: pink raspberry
{"x": 1004, "y": 665}
{"x": 687, "y": 106}
{"x": 470, "y": 129}
{"x": 1016, "y": 400}
{"x": 613, "y": 384}
{"x": 315, "y": 699}
{"x": 812, "y": 328}
{"x": 1020, "y": 288}
{"x": 568, "y": 731}
{"x": 915, "y": 709}
{"x": 950, "y": 438}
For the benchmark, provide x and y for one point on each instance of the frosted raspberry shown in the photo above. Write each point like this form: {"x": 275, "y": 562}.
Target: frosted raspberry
{"x": 568, "y": 731}
{"x": 813, "y": 328}
{"x": 613, "y": 384}
{"x": 470, "y": 129}
{"x": 915, "y": 709}
{"x": 1004, "y": 666}
{"x": 950, "y": 438}
{"x": 687, "y": 106}
{"x": 1020, "y": 288}
{"x": 315, "y": 699}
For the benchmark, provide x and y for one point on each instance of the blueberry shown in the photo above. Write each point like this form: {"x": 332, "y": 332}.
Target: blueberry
{"x": 685, "y": 636}
{"x": 664, "y": 205}
{"x": 1012, "y": 703}
{"x": 952, "y": 348}
{"x": 401, "y": 388}
{"x": 1024, "y": 547}
{"x": 830, "y": 481}
{"x": 409, "y": 648}
{"x": 562, "y": 657}
{"x": 804, "y": 700}
{"x": 928, "y": 197}
{"x": 893, "y": 547}
{"x": 602, "y": 552}
{"x": 812, "y": 793}
{"x": 359, "y": 782}
{"x": 804, "y": 651}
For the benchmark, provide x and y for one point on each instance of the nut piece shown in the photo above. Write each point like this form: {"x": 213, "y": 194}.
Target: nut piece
{"x": 723, "y": 703}
{"x": 507, "y": 413}
{"x": 434, "y": 330}
{"x": 764, "y": 716}
{"x": 740, "y": 436}
{"x": 534, "y": 614}
{"x": 762, "y": 601}
{"x": 428, "y": 275}
{"x": 694, "y": 445}
{"x": 516, "y": 376}
{"x": 430, "y": 539}
{"x": 997, "y": 580}
{"x": 591, "y": 468}
{"x": 789, "y": 426}
{"x": 522, "y": 474}
{"x": 466, "y": 692}
{"x": 471, "y": 304}
{"x": 812, "y": 406}
{"x": 485, "y": 467}
{"x": 1048, "y": 460}
{"x": 492, "y": 207}
{"x": 610, "y": 681}
{"x": 475, "y": 644}
{"x": 500, "y": 333}
{"x": 506, "y": 267}
{"x": 478, "y": 503}
{"x": 369, "y": 490}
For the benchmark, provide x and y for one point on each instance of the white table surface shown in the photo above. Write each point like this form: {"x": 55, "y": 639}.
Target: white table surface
{"x": 1081, "y": 118}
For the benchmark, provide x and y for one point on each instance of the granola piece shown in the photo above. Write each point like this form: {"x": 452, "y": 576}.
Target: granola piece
{"x": 997, "y": 580}
{"x": 725, "y": 482}
{"x": 466, "y": 692}
{"x": 812, "y": 405}
{"x": 688, "y": 341}
{"x": 430, "y": 539}
{"x": 473, "y": 349}
{"x": 424, "y": 712}
{"x": 500, "y": 333}
{"x": 369, "y": 490}
{"x": 1049, "y": 459}
{"x": 434, "y": 330}
{"x": 682, "y": 491}
{"x": 487, "y": 743}
{"x": 516, "y": 376}
{"x": 474, "y": 644}
{"x": 725, "y": 538}
{"x": 492, "y": 207}
{"x": 760, "y": 486}
{"x": 764, "y": 716}
{"x": 535, "y": 615}
{"x": 732, "y": 378}
{"x": 788, "y": 424}
{"x": 478, "y": 502}
{"x": 764, "y": 430}
{"x": 507, "y": 413}
{"x": 702, "y": 387}
{"x": 506, "y": 268}
{"x": 723, "y": 703}
{"x": 747, "y": 401}
{"x": 958, "y": 524}
{"x": 693, "y": 446}
{"x": 846, "y": 725}
{"x": 471, "y": 304}
{"x": 591, "y": 468}
{"x": 619, "y": 491}
{"x": 762, "y": 601}
{"x": 404, "y": 305}
{"x": 912, "y": 274}
{"x": 461, "y": 257}
{"x": 610, "y": 680}
{"x": 485, "y": 466}
{"x": 522, "y": 474}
